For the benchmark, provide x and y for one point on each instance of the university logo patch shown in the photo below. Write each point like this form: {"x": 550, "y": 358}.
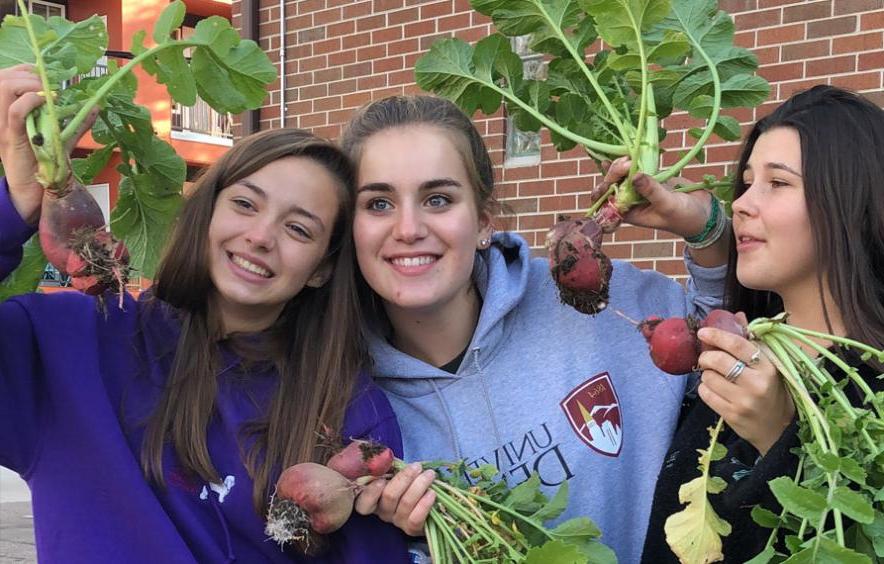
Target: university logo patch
{"x": 594, "y": 412}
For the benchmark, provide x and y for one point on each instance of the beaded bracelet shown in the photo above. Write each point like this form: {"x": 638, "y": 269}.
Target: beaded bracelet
{"x": 714, "y": 229}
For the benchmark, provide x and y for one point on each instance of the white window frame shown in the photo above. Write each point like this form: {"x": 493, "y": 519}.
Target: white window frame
{"x": 31, "y": 4}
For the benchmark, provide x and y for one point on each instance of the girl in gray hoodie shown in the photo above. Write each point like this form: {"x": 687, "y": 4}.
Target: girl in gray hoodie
{"x": 477, "y": 355}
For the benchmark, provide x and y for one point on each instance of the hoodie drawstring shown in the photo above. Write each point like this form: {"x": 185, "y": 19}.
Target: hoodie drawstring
{"x": 497, "y": 441}
{"x": 449, "y": 420}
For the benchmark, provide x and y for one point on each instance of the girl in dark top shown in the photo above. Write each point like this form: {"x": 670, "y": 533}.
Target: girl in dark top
{"x": 808, "y": 222}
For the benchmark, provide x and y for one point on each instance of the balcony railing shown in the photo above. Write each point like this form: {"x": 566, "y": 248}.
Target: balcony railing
{"x": 202, "y": 119}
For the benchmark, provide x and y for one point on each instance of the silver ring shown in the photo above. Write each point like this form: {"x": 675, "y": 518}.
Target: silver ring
{"x": 735, "y": 371}
{"x": 755, "y": 358}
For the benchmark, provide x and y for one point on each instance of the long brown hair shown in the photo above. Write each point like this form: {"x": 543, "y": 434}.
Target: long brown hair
{"x": 316, "y": 344}
{"x": 842, "y": 163}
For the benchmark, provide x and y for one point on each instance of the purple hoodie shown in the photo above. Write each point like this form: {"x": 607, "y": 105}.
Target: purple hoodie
{"x": 76, "y": 386}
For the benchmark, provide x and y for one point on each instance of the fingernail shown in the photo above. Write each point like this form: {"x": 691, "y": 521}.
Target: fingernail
{"x": 704, "y": 332}
{"x": 415, "y": 467}
{"x": 640, "y": 180}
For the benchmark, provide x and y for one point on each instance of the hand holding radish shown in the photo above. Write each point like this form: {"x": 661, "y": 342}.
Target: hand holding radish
{"x": 404, "y": 500}
{"x": 18, "y": 96}
{"x": 755, "y": 404}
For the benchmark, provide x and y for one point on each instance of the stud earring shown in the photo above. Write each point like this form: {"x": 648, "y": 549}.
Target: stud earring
{"x": 484, "y": 243}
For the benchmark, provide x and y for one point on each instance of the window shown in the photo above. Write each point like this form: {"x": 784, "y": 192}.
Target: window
{"x": 523, "y": 147}
{"x": 45, "y": 9}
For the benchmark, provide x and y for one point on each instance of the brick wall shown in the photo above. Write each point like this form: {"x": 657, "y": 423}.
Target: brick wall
{"x": 341, "y": 54}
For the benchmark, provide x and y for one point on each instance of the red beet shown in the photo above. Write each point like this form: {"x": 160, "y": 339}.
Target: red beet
{"x": 362, "y": 458}
{"x": 608, "y": 217}
{"x": 74, "y": 240}
{"x": 310, "y": 499}
{"x": 578, "y": 266}
{"x": 673, "y": 342}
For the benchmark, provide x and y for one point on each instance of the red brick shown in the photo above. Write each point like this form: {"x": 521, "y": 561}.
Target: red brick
{"x": 370, "y": 82}
{"x": 859, "y": 42}
{"x": 327, "y": 16}
{"x": 401, "y": 77}
{"x": 327, "y": 75}
{"x": 852, "y": 6}
{"x": 560, "y": 168}
{"x": 311, "y": 120}
{"x": 874, "y": 20}
{"x": 305, "y": 6}
{"x": 544, "y": 221}
{"x": 356, "y": 99}
{"x": 785, "y": 34}
{"x": 573, "y": 185}
{"x": 342, "y": 87}
{"x": 420, "y": 28}
{"x": 313, "y": 63}
{"x": 355, "y": 40}
{"x": 633, "y": 233}
{"x": 806, "y": 50}
{"x": 436, "y": 10}
{"x": 327, "y": 103}
{"x": 807, "y": 11}
{"x": 736, "y": 6}
{"x": 756, "y": 19}
{"x": 673, "y": 267}
{"x": 313, "y": 92}
{"x": 457, "y": 21}
{"x": 402, "y": 47}
{"x": 357, "y": 69}
{"x": 534, "y": 187}
{"x": 833, "y": 26}
{"x": 386, "y": 35}
{"x": 785, "y": 71}
{"x": 384, "y": 5}
{"x": 371, "y": 53}
{"x": 357, "y": 10}
{"x": 523, "y": 205}
{"x": 403, "y": 16}
{"x": 870, "y": 61}
{"x": 342, "y": 28}
{"x": 373, "y": 22}
{"x": 558, "y": 203}
{"x": 342, "y": 58}
{"x": 389, "y": 64}
{"x": 327, "y": 46}
{"x": 774, "y": 3}
{"x": 521, "y": 173}
{"x": 767, "y": 55}
{"x": 833, "y": 65}
{"x": 859, "y": 82}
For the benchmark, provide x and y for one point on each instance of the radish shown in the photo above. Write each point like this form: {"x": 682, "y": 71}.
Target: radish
{"x": 362, "y": 458}
{"x": 310, "y": 499}
{"x": 74, "y": 240}
{"x": 580, "y": 269}
{"x": 673, "y": 342}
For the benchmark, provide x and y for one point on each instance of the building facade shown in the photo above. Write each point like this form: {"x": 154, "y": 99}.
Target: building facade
{"x": 337, "y": 55}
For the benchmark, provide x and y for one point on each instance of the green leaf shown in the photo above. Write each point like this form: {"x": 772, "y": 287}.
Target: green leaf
{"x": 829, "y": 552}
{"x": 765, "y": 517}
{"x": 555, "y": 552}
{"x": 577, "y": 530}
{"x": 234, "y": 81}
{"x": 447, "y": 70}
{"x": 26, "y": 277}
{"x": 853, "y": 504}
{"x": 764, "y": 556}
{"x": 621, "y": 22}
{"x": 87, "y": 169}
{"x": 521, "y": 17}
{"x": 87, "y": 39}
{"x": 524, "y": 497}
{"x": 875, "y": 533}
{"x": 142, "y": 219}
{"x": 554, "y": 507}
{"x": 800, "y": 501}
{"x": 172, "y": 70}
{"x": 170, "y": 19}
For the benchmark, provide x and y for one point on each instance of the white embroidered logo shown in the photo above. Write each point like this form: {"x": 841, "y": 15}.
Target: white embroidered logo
{"x": 221, "y": 489}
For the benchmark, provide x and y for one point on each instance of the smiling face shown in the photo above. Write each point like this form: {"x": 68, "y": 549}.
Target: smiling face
{"x": 267, "y": 239}
{"x": 775, "y": 247}
{"x": 417, "y": 224}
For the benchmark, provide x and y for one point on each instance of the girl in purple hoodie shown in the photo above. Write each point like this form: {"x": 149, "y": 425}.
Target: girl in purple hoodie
{"x": 154, "y": 432}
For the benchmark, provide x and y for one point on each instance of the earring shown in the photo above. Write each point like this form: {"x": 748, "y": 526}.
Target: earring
{"x": 484, "y": 243}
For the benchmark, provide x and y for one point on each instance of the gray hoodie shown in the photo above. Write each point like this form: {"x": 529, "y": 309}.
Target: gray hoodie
{"x": 545, "y": 389}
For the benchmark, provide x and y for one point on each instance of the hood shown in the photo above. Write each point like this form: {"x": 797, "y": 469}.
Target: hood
{"x": 501, "y": 276}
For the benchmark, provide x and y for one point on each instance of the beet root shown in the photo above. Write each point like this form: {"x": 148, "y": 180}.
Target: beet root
{"x": 362, "y": 458}
{"x": 75, "y": 242}
{"x": 673, "y": 342}
{"x": 580, "y": 269}
{"x": 310, "y": 500}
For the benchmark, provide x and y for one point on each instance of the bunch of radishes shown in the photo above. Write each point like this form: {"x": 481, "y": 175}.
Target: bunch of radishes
{"x": 312, "y": 499}
{"x": 480, "y": 521}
